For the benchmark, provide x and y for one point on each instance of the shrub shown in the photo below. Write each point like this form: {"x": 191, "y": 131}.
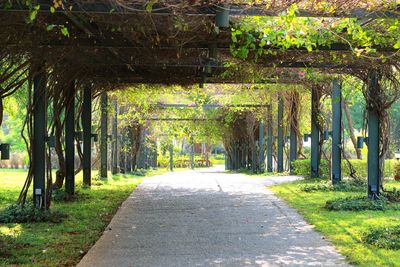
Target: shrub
{"x": 383, "y": 237}
{"x": 396, "y": 170}
{"x": 182, "y": 161}
{"x": 356, "y": 204}
{"x": 344, "y": 186}
{"x": 27, "y": 213}
{"x": 392, "y": 196}
{"x": 60, "y": 195}
{"x": 302, "y": 167}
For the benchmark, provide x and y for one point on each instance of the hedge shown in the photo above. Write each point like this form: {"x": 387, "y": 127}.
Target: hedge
{"x": 302, "y": 167}
{"x": 179, "y": 161}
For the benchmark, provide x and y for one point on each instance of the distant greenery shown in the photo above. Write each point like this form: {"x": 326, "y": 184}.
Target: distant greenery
{"x": 183, "y": 161}
{"x": 346, "y": 229}
{"x": 302, "y": 167}
{"x": 15, "y": 111}
{"x": 64, "y": 243}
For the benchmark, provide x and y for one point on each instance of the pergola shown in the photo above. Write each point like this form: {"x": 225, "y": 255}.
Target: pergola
{"x": 106, "y": 44}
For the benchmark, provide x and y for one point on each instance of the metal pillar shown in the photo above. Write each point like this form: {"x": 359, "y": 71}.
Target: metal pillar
{"x": 191, "y": 153}
{"x": 104, "y": 136}
{"x": 293, "y": 135}
{"x": 155, "y": 165}
{"x": 262, "y": 144}
{"x": 207, "y": 158}
{"x": 281, "y": 140}
{"x": 269, "y": 140}
{"x": 70, "y": 141}
{"x": 254, "y": 158}
{"x": 115, "y": 156}
{"x": 87, "y": 134}
{"x": 171, "y": 157}
{"x": 374, "y": 174}
{"x": 336, "y": 132}
{"x": 39, "y": 139}
{"x": 314, "y": 134}
{"x": 122, "y": 155}
{"x": 125, "y": 151}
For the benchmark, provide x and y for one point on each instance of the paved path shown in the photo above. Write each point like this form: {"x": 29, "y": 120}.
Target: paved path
{"x": 209, "y": 218}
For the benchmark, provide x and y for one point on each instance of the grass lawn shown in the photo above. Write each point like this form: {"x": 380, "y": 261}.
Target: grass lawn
{"x": 63, "y": 244}
{"x": 343, "y": 228}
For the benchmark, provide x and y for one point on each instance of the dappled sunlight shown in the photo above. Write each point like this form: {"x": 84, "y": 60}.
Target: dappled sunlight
{"x": 204, "y": 217}
{"x": 13, "y": 230}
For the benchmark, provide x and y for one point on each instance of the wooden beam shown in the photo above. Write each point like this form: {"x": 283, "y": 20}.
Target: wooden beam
{"x": 106, "y": 8}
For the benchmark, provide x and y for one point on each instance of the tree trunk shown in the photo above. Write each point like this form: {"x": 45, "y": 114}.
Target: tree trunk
{"x": 58, "y": 129}
{"x": 351, "y": 128}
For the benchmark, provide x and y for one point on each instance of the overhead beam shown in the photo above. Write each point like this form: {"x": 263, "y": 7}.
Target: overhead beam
{"x": 184, "y": 119}
{"x": 221, "y": 65}
{"x": 191, "y": 79}
{"x": 90, "y": 43}
{"x": 107, "y": 8}
{"x": 209, "y": 106}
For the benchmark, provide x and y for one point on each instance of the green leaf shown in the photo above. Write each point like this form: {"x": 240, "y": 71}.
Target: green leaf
{"x": 52, "y": 9}
{"x": 64, "y": 31}
{"x": 397, "y": 44}
{"x": 50, "y": 27}
{"x": 149, "y": 5}
{"x": 33, "y": 13}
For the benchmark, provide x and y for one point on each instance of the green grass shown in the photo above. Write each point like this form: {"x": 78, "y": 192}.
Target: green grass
{"x": 63, "y": 244}
{"x": 344, "y": 228}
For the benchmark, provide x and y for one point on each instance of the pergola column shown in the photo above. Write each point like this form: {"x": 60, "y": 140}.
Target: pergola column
{"x": 280, "y": 134}
{"x": 261, "y": 144}
{"x": 155, "y": 155}
{"x": 39, "y": 139}
{"x": 314, "y": 134}
{"x": 121, "y": 153}
{"x": 191, "y": 153}
{"x": 171, "y": 157}
{"x": 70, "y": 141}
{"x": 336, "y": 132}
{"x": 269, "y": 139}
{"x": 87, "y": 134}
{"x": 293, "y": 133}
{"x": 374, "y": 174}
{"x": 104, "y": 136}
{"x": 115, "y": 152}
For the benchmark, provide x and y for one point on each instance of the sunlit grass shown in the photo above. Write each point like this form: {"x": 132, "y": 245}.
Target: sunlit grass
{"x": 344, "y": 228}
{"x": 63, "y": 244}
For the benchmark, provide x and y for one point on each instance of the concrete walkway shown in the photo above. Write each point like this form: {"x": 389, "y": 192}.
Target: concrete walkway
{"x": 209, "y": 218}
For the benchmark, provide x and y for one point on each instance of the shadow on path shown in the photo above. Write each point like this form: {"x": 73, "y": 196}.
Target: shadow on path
{"x": 209, "y": 218}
